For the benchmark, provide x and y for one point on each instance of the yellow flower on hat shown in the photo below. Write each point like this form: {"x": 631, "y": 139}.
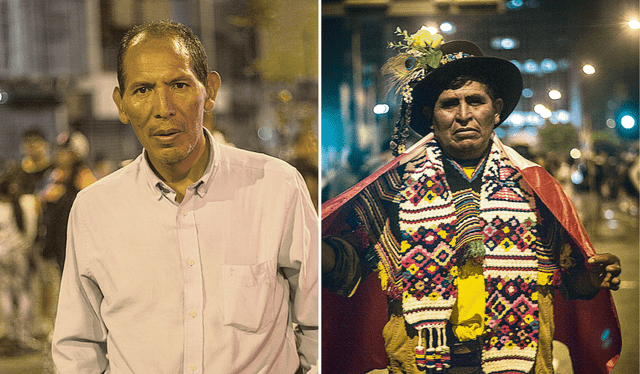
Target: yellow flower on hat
{"x": 424, "y": 38}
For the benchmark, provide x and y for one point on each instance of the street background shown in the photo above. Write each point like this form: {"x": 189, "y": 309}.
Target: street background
{"x": 579, "y": 60}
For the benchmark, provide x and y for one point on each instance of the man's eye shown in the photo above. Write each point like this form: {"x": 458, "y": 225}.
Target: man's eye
{"x": 141, "y": 90}
{"x": 181, "y": 85}
{"x": 475, "y": 101}
{"x": 448, "y": 104}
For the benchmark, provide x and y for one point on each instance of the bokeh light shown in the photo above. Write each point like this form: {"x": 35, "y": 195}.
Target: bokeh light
{"x": 589, "y": 69}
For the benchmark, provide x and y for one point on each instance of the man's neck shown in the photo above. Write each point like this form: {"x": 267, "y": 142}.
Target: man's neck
{"x": 466, "y": 161}
{"x": 181, "y": 175}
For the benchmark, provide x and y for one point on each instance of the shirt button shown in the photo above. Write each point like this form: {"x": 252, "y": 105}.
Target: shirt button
{"x": 190, "y": 262}
{"x": 193, "y": 367}
{"x": 184, "y": 212}
{"x": 193, "y": 313}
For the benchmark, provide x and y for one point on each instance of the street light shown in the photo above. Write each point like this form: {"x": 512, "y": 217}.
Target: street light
{"x": 634, "y": 24}
{"x": 542, "y": 110}
{"x": 627, "y": 121}
{"x": 381, "y": 109}
{"x": 555, "y": 95}
{"x": 589, "y": 69}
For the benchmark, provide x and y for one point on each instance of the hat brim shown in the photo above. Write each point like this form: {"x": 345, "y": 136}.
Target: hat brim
{"x": 503, "y": 76}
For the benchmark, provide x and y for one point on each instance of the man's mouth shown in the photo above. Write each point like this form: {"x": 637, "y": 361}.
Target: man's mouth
{"x": 464, "y": 131}
{"x": 165, "y": 135}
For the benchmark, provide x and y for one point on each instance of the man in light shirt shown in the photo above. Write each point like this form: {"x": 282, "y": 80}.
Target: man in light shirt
{"x": 196, "y": 257}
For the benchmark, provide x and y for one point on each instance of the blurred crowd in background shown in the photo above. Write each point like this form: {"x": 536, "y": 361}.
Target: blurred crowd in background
{"x": 36, "y": 194}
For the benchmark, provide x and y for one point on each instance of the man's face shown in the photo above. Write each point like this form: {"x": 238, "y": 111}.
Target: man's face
{"x": 162, "y": 99}
{"x": 464, "y": 118}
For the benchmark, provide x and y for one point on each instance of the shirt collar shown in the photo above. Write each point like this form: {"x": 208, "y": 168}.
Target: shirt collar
{"x": 201, "y": 186}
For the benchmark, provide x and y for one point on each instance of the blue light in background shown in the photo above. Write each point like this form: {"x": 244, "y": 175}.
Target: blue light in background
{"x": 516, "y": 119}
{"x": 265, "y": 133}
{"x": 504, "y": 43}
{"x": 531, "y": 66}
{"x": 577, "y": 177}
{"x": 517, "y": 64}
{"x": 508, "y": 43}
{"x": 606, "y": 338}
{"x": 514, "y": 4}
{"x": 563, "y": 64}
{"x": 627, "y": 121}
{"x": 548, "y": 65}
{"x": 563, "y": 116}
{"x": 447, "y": 28}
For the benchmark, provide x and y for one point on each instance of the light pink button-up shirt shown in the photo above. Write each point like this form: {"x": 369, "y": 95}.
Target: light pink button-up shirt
{"x": 210, "y": 285}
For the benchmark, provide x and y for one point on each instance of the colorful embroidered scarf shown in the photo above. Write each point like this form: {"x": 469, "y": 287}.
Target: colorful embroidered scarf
{"x": 425, "y": 269}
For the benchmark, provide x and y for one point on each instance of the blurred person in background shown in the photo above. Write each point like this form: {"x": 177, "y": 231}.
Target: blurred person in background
{"x": 103, "y": 166}
{"x": 69, "y": 176}
{"x": 195, "y": 257}
{"x": 36, "y": 162}
{"x": 19, "y": 214}
{"x": 628, "y": 177}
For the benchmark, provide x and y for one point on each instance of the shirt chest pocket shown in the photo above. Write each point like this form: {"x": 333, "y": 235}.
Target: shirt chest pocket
{"x": 249, "y": 296}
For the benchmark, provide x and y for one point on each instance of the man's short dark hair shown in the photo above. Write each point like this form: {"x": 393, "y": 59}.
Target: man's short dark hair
{"x": 161, "y": 29}
{"x": 462, "y": 80}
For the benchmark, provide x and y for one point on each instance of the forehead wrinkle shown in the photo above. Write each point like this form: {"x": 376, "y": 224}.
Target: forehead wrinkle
{"x": 177, "y": 44}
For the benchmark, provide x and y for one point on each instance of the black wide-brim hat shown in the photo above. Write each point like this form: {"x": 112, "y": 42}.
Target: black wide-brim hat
{"x": 502, "y": 76}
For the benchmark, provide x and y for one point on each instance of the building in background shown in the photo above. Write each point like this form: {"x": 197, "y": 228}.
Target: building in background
{"x": 58, "y": 70}
{"x": 549, "y": 40}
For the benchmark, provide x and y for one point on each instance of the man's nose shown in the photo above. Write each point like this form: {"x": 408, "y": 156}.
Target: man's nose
{"x": 163, "y": 106}
{"x": 463, "y": 114}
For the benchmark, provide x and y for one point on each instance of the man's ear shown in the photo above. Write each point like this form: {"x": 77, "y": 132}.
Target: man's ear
{"x": 212, "y": 87}
{"x": 117, "y": 98}
{"x": 498, "y": 104}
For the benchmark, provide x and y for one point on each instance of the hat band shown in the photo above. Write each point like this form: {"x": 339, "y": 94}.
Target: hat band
{"x": 452, "y": 57}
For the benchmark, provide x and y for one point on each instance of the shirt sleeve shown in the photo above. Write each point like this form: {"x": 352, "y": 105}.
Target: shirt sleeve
{"x": 298, "y": 260}
{"x": 354, "y": 257}
{"x": 79, "y": 339}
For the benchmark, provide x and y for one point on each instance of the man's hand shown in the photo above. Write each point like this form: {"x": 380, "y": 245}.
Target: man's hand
{"x": 604, "y": 270}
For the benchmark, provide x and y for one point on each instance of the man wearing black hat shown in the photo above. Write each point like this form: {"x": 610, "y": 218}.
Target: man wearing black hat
{"x": 473, "y": 244}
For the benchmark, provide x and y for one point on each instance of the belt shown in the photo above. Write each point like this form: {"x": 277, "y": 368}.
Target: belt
{"x": 461, "y": 347}
{"x": 467, "y": 354}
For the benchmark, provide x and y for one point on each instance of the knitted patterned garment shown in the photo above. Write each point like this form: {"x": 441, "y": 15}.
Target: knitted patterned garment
{"x": 423, "y": 270}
